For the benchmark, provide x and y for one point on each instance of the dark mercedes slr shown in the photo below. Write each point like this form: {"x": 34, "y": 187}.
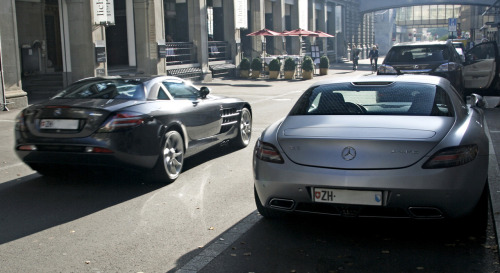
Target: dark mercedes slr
{"x": 147, "y": 124}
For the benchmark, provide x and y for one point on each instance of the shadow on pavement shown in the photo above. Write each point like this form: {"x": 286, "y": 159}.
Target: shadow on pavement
{"x": 325, "y": 244}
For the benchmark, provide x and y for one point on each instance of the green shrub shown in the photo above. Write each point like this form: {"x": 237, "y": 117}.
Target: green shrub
{"x": 289, "y": 64}
{"x": 245, "y": 64}
{"x": 307, "y": 64}
{"x": 257, "y": 64}
{"x": 324, "y": 62}
{"x": 274, "y": 65}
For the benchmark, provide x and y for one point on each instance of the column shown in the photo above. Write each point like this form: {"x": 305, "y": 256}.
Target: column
{"x": 149, "y": 30}
{"x": 11, "y": 66}
{"x": 257, "y": 18}
{"x": 197, "y": 11}
{"x": 278, "y": 25}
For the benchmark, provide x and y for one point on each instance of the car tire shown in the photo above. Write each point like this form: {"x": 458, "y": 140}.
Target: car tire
{"x": 266, "y": 212}
{"x": 476, "y": 222}
{"x": 48, "y": 170}
{"x": 170, "y": 159}
{"x": 242, "y": 139}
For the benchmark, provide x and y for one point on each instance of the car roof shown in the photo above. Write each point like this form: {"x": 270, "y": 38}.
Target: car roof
{"x": 423, "y": 43}
{"x": 381, "y": 79}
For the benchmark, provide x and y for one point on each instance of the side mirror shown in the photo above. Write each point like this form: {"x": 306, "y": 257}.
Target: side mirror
{"x": 204, "y": 91}
{"x": 477, "y": 101}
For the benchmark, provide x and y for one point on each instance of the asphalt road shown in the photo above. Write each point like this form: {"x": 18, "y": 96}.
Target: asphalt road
{"x": 206, "y": 220}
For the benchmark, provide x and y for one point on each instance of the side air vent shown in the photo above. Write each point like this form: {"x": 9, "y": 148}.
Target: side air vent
{"x": 229, "y": 118}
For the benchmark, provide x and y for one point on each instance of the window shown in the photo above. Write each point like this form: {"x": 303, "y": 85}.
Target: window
{"x": 104, "y": 89}
{"x": 393, "y": 99}
{"x": 180, "y": 90}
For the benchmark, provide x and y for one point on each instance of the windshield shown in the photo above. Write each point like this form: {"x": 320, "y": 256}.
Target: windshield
{"x": 393, "y": 99}
{"x": 104, "y": 89}
{"x": 410, "y": 54}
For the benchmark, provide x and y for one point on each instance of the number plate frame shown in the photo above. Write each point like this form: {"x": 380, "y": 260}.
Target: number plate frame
{"x": 59, "y": 124}
{"x": 343, "y": 196}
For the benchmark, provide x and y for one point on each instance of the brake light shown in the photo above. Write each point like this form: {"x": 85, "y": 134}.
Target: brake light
{"x": 267, "y": 152}
{"x": 122, "y": 120}
{"x": 386, "y": 69}
{"x": 19, "y": 122}
{"x": 452, "y": 157}
{"x": 451, "y": 66}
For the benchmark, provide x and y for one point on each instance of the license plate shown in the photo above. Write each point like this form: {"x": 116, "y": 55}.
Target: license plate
{"x": 65, "y": 124}
{"x": 352, "y": 197}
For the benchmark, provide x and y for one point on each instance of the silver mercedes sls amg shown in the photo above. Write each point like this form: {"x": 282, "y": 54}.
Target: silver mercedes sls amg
{"x": 381, "y": 146}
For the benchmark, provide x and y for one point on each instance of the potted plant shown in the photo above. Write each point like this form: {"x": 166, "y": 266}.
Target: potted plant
{"x": 307, "y": 68}
{"x": 289, "y": 68}
{"x": 256, "y": 67}
{"x": 244, "y": 68}
{"x": 274, "y": 68}
{"x": 324, "y": 64}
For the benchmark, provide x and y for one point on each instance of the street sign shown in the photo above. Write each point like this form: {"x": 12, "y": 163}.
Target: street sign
{"x": 104, "y": 13}
{"x": 452, "y": 24}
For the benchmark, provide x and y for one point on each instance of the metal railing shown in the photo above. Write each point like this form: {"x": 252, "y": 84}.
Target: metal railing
{"x": 180, "y": 53}
{"x": 218, "y": 51}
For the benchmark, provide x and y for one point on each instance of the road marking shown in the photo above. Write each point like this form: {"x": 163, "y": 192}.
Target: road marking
{"x": 495, "y": 132}
{"x": 11, "y": 166}
{"x": 219, "y": 245}
{"x": 277, "y": 97}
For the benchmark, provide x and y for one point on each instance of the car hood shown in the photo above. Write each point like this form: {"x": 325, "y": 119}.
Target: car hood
{"x": 361, "y": 142}
{"x": 90, "y": 115}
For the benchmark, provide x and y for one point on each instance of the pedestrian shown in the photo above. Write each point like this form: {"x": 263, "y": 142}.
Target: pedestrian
{"x": 373, "y": 55}
{"x": 355, "y": 57}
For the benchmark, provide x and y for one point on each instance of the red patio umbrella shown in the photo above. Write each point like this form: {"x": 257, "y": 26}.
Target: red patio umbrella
{"x": 323, "y": 34}
{"x": 298, "y": 32}
{"x": 264, "y": 32}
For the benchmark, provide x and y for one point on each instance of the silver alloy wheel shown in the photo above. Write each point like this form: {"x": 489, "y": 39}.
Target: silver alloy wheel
{"x": 245, "y": 126}
{"x": 173, "y": 154}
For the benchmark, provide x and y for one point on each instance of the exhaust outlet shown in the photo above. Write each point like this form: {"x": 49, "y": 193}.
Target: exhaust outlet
{"x": 424, "y": 212}
{"x": 285, "y": 204}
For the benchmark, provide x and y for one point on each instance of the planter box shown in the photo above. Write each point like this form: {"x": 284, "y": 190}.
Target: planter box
{"x": 289, "y": 75}
{"x": 307, "y": 75}
{"x": 244, "y": 73}
{"x": 323, "y": 71}
{"x": 273, "y": 74}
{"x": 255, "y": 74}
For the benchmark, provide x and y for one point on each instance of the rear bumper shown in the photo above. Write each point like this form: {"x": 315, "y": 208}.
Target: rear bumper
{"x": 410, "y": 192}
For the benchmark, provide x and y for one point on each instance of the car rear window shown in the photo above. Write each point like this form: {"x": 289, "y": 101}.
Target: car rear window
{"x": 104, "y": 89}
{"x": 421, "y": 54}
{"x": 394, "y": 99}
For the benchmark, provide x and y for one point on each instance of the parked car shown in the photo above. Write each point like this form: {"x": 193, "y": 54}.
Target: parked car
{"x": 482, "y": 68}
{"x": 420, "y": 153}
{"x": 440, "y": 58}
{"x": 149, "y": 123}
{"x": 437, "y": 58}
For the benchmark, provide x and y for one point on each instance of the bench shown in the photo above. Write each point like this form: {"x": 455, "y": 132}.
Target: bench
{"x": 219, "y": 69}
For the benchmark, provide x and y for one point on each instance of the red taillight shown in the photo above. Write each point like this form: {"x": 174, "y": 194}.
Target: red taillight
{"x": 27, "y": 148}
{"x": 267, "y": 152}
{"x": 123, "y": 120}
{"x": 97, "y": 150}
{"x": 19, "y": 122}
{"x": 452, "y": 157}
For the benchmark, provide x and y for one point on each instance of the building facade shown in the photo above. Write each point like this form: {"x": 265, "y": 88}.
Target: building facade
{"x": 75, "y": 39}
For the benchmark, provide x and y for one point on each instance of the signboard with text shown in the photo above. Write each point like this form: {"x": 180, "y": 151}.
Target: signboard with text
{"x": 452, "y": 24}
{"x": 240, "y": 14}
{"x": 104, "y": 13}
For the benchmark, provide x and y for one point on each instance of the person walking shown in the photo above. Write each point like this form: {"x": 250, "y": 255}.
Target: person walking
{"x": 373, "y": 55}
{"x": 355, "y": 57}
